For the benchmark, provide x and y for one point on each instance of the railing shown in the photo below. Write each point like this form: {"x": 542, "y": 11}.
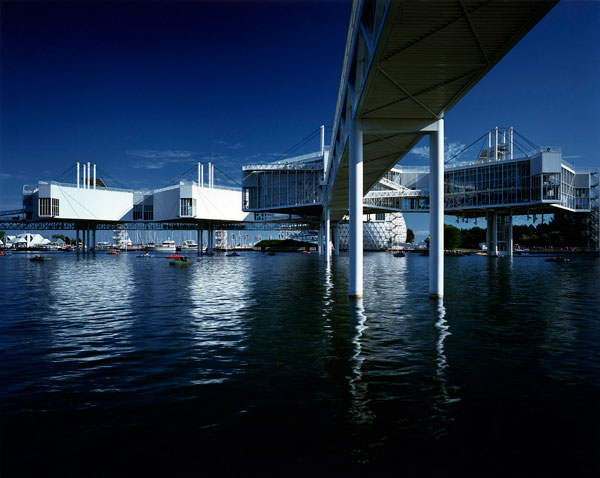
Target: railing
{"x": 102, "y": 188}
{"x": 398, "y": 193}
{"x": 354, "y": 18}
{"x": 145, "y": 192}
{"x": 282, "y": 167}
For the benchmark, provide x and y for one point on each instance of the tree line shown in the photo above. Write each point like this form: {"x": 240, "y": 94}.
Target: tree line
{"x": 563, "y": 230}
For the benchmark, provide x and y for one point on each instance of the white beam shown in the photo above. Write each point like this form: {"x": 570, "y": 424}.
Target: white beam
{"x": 356, "y": 210}
{"x": 327, "y": 238}
{"x": 436, "y": 211}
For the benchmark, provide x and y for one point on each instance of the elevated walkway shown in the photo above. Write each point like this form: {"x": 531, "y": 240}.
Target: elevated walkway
{"x": 406, "y": 64}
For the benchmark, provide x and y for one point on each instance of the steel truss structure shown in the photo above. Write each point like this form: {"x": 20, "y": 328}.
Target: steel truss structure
{"x": 18, "y": 225}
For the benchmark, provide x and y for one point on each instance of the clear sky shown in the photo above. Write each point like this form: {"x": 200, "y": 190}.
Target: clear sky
{"x": 147, "y": 89}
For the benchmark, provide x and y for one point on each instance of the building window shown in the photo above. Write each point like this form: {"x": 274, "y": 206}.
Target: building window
{"x": 49, "y": 207}
{"x": 138, "y": 212}
{"x": 44, "y": 207}
{"x": 187, "y": 207}
{"x": 148, "y": 212}
{"x": 380, "y": 216}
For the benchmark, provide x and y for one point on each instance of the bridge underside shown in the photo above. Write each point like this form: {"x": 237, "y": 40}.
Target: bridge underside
{"x": 415, "y": 60}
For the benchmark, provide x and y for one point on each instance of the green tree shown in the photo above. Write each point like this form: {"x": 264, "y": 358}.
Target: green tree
{"x": 452, "y": 237}
{"x": 410, "y": 236}
{"x": 471, "y": 238}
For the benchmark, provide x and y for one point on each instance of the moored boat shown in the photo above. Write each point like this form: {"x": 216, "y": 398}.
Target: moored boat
{"x": 189, "y": 245}
{"x": 166, "y": 246}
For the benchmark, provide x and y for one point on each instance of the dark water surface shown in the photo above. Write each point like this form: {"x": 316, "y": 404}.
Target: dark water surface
{"x": 260, "y": 365}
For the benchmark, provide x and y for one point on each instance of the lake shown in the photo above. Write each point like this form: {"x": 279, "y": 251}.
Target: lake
{"x": 257, "y": 364}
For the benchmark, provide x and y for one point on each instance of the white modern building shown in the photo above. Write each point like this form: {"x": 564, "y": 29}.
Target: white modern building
{"x": 90, "y": 200}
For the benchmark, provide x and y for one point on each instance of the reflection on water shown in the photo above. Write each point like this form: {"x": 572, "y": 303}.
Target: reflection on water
{"x": 359, "y": 411}
{"x": 128, "y": 358}
{"x": 441, "y": 413}
{"x": 218, "y": 332}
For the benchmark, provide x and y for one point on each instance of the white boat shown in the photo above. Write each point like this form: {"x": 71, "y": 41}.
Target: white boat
{"x": 166, "y": 246}
{"x": 188, "y": 245}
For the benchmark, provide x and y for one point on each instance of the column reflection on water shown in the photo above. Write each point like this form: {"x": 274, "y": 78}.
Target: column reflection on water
{"x": 359, "y": 411}
{"x": 328, "y": 298}
{"x": 442, "y": 398}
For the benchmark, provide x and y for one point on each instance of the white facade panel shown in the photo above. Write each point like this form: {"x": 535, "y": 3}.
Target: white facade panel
{"x": 210, "y": 204}
{"x": 166, "y": 204}
{"x": 87, "y": 204}
{"x": 219, "y": 204}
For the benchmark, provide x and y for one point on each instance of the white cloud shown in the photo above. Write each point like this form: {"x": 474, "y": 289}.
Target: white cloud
{"x": 234, "y": 146}
{"x": 450, "y": 149}
{"x": 167, "y": 154}
{"x": 156, "y": 159}
{"x": 420, "y": 151}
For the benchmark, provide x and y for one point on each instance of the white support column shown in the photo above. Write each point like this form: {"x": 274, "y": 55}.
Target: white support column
{"x": 94, "y": 178}
{"x": 355, "y": 165}
{"x": 320, "y": 241}
{"x": 511, "y": 142}
{"x": 78, "y": 174}
{"x": 327, "y": 238}
{"x": 496, "y": 143}
{"x": 510, "y": 235}
{"x": 89, "y": 175}
{"x": 84, "y": 179}
{"x": 322, "y": 139}
{"x": 436, "y": 211}
{"x": 336, "y": 239}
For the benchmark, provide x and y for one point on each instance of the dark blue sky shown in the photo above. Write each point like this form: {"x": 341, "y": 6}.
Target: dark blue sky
{"x": 146, "y": 89}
